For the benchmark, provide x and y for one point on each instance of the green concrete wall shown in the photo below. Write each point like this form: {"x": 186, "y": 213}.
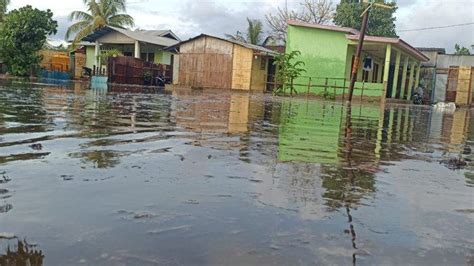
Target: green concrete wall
{"x": 322, "y": 51}
{"x": 326, "y": 54}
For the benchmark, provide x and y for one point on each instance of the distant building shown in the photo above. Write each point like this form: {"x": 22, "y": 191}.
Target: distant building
{"x": 448, "y": 77}
{"x": 148, "y": 45}
{"x": 392, "y": 65}
{"x": 207, "y": 61}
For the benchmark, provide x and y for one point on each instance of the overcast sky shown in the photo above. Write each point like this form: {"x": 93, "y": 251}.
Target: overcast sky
{"x": 191, "y": 17}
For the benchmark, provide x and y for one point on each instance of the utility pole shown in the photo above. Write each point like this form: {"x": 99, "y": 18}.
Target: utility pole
{"x": 355, "y": 67}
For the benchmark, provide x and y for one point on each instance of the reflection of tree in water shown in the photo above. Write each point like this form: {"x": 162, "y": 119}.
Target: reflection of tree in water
{"x": 23, "y": 105}
{"x": 341, "y": 189}
{"x": 25, "y": 254}
{"x": 100, "y": 159}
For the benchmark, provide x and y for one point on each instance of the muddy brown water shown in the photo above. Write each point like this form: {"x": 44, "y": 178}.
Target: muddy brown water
{"x": 120, "y": 177}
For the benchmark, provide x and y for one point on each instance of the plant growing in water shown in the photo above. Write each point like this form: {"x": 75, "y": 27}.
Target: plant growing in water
{"x": 287, "y": 70}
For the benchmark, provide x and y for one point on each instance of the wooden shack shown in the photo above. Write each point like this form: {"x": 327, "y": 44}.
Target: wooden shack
{"x": 211, "y": 62}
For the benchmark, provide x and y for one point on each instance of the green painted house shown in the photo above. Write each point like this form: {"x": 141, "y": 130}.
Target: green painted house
{"x": 393, "y": 66}
{"x": 148, "y": 45}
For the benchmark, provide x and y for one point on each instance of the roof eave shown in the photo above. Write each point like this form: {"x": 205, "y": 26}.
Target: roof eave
{"x": 396, "y": 41}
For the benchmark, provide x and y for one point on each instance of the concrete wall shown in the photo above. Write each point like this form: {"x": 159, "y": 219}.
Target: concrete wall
{"x": 324, "y": 52}
{"x": 446, "y": 60}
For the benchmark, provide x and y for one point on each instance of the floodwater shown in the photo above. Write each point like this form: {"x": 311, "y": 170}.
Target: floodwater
{"x": 117, "y": 177}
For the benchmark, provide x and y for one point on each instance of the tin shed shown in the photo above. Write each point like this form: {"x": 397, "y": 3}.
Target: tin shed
{"x": 211, "y": 62}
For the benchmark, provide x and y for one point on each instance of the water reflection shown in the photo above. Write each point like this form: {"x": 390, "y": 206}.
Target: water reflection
{"x": 318, "y": 176}
{"x": 22, "y": 253}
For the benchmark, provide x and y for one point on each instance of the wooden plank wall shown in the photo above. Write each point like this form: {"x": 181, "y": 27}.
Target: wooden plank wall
{"x": 54, "y": 60}
{"x": 79, "y": 63}
{"x": 206, "y": 63}
{"x": 242, "y": 66}
{"x": 463, "y": 93}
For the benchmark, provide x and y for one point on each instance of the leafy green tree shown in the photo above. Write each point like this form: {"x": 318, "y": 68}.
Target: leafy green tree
{"x": 287, "y": 70}
{"x": 100, "y": 13}
{"x": 3, "y": 8}
{"x": 381, "y": 20}
{"x": 461, "y": 50}
{"x": 311, "y": 11}
{"x": 22, "y": 35}
{"x": 253, "y": 35}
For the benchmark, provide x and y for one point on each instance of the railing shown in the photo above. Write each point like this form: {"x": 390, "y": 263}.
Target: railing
{"x": 326, "y": 86}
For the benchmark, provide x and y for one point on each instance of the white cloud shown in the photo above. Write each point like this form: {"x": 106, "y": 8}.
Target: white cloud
{"x": 423, "y": 14}
{"x": 191, "y": 17}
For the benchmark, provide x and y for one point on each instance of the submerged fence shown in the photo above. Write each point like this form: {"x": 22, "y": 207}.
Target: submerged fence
{"x": 328, "y": 87}
{"x": 133, "y": 71}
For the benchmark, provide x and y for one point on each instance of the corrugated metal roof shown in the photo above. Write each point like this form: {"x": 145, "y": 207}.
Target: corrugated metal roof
{"x": 152, "y": 37}
{"x": 432, "y": 49}
{"x": 246, "y": 45}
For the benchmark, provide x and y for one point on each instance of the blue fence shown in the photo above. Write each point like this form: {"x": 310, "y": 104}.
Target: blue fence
{"x": 46, "y": 74}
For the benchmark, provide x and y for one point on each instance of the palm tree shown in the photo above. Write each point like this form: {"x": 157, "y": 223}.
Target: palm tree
{"x": 3, "y": 8}
{"x": 254, "y": 31}
{"x": 253, "y": 35}
{"x": 100, "y": 13}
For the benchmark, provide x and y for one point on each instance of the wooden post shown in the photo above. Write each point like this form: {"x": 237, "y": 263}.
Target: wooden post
{"x": 309, "y": 86}
{"x": 326, "y": 86}
{"x": 344, "y": 89}
{"x": 395, "y": 75}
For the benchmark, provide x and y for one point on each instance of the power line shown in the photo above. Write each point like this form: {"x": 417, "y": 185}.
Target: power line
{"x": 439, "y": 27}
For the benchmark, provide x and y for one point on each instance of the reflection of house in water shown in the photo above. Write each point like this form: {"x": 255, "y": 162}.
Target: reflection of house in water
{"x": 313, "y": 132}
{"x": 452, "y": 128}
{"x": 25, "y": 254}
{"x": 215, "y": 112}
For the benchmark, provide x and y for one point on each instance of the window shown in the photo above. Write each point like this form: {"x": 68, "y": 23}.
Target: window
{"x": 149, "y": 57}
{"x": 127, "y": 54}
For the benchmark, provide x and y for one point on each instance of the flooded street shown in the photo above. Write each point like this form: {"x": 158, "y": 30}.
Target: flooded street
{"x": 97, "y": 177}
